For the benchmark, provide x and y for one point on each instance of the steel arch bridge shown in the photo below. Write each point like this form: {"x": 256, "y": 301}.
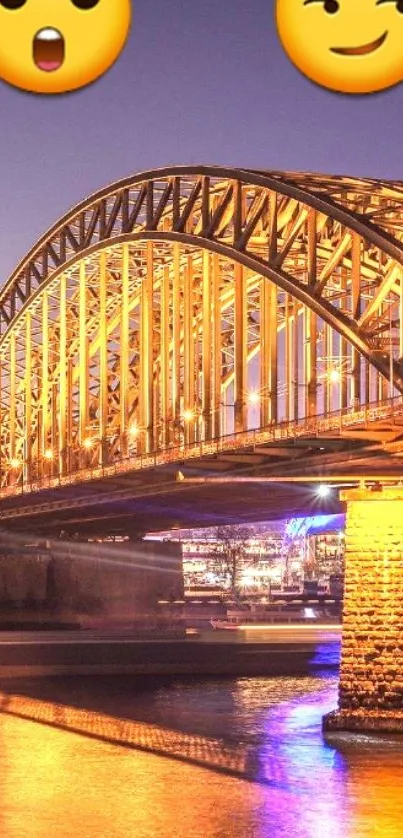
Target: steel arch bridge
{"x": 184, "y": 304}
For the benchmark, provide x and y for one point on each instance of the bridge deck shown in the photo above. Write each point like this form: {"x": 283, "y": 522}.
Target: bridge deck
{"x": 139, "y": 494}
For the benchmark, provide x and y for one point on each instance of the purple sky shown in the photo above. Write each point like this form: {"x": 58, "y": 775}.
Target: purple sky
{"x": 202, "y": 82}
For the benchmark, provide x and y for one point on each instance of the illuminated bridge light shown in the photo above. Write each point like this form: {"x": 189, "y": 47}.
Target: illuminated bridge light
{"x": 188, "y": 334}
{"x": 188, "y": 415}
{"x": 253, "y": 397}
{"x": 324, "y": 491}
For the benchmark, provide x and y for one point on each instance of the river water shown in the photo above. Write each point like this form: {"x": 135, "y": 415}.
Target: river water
{"x": 230, "y": 758}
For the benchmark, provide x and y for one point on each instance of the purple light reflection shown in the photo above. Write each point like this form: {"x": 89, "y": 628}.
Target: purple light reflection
{"x": 306, "y": 775}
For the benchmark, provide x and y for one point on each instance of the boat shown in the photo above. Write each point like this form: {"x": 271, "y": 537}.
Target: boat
{"x": 275, "y": 615}
{"x": 224, "y": 624}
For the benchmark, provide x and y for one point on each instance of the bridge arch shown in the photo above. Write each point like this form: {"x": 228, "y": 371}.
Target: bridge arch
{"x": 186, "y": 303}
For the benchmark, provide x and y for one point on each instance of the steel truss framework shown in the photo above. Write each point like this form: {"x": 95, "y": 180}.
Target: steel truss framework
{"x": 147, "y": 315}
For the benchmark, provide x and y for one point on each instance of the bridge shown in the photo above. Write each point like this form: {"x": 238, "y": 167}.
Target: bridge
{"x": 197, "y": 323}
{"x": 206, "y": 320}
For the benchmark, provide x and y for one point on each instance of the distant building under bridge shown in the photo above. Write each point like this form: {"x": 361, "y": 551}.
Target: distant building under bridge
{"x": 275, "y": 556}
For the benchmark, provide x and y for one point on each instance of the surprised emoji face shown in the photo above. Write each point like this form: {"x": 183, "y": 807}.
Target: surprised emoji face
{"x": 53, "y": 46}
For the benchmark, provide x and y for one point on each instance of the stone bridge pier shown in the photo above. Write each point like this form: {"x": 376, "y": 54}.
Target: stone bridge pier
{"x": 371, "y": 674}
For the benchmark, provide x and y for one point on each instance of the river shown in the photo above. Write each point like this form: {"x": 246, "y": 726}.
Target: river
{"x": 215, "y": 758}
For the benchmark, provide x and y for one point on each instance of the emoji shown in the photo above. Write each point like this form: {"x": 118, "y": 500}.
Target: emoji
{"x": 53, "y": 46}
{"x": 352, "y": 46}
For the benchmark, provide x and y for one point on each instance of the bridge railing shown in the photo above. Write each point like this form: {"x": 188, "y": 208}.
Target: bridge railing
{"x": 389, "y": 411}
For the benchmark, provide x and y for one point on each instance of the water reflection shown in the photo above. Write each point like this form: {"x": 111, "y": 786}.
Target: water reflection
{"x": 271, "y": 773}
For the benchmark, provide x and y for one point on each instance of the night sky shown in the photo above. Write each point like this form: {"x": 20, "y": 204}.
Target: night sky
{"x": 203, "y": 82}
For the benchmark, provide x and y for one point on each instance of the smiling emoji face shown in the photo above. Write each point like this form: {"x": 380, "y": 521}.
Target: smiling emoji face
{"x": 352, "y": 46}
{"x": 52, "y": 46}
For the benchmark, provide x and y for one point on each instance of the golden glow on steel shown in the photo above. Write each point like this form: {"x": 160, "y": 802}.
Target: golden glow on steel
{"x": 174, "y": 301}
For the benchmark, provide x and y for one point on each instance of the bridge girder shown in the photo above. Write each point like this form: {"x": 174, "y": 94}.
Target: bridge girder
{"x": 158, "y": 304}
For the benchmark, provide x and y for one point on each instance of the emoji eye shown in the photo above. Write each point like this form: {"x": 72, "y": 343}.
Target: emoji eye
{"x": 82, "y": 4}
{"x": 330, "y": 6}
{"x": 398, "y": 3}
{"x": 12, "y": 4}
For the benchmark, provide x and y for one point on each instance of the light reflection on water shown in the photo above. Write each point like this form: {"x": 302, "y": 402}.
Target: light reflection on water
{"x": 295, "y": 783}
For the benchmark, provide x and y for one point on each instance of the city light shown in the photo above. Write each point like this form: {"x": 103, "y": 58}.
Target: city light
{"x": 88, "y": 442}
{"x": 334, "y": 376}
{"x": 188, "y": 415}
{"x": 133, "y": 430}
{"x": 14, "y": 462}
{"x": 48, "y": 454}
{"x": 324, "y": 491}
{"x": 253, "y": 397}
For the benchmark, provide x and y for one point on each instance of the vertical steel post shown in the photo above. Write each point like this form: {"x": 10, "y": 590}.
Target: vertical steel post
{"x": 295, "y": 370}
{"x": 391, "y": 371}
{"x": 288, "y": 352}
{"x": 343, "y": 347}
{"x": 206, "y": 346}
{"x": 69, "y": 415}
{"x": 146, "y": 351}
{"x": 2, "y": 425}
{"x": 83, "y": 354}
{"x": 356, "y": 311}
{"x": 45, "y": 390}
{"x": 189, "y": 372}
{"x": 62, "y": 441}
{"x": 13, "y": 386}
{"x": 124, "y": 382}
{"x": 271, "y": 302}
{"x": 165, "y": 355}
{"x": 103, "y": 362}
{"x": 310, "y": 362}
{"x": 216, "y": 397}
{"x": 240, "y": 348}
{"x": 328, "y": 353}
{"x": 264, "y": 354}
{"x": 273, "y": 352}
{"x": 27, "y": 424}
{"x": 176, "y": 337}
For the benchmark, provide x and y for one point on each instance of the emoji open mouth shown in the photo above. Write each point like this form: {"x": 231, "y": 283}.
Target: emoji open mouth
{"x": 48, "y": 49}
{"x": 363, "y": 50}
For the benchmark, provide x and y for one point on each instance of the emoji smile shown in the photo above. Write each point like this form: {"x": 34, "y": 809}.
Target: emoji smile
{"x": 365, "y": 49}
{"x": 48, "y": 49}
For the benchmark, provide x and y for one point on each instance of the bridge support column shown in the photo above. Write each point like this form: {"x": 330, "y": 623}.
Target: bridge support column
{"x": 371, "y": 674}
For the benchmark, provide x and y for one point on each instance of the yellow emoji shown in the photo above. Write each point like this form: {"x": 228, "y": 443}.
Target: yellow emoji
{"x": 52, "y": 46}
{"x": 353, "y": 46}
